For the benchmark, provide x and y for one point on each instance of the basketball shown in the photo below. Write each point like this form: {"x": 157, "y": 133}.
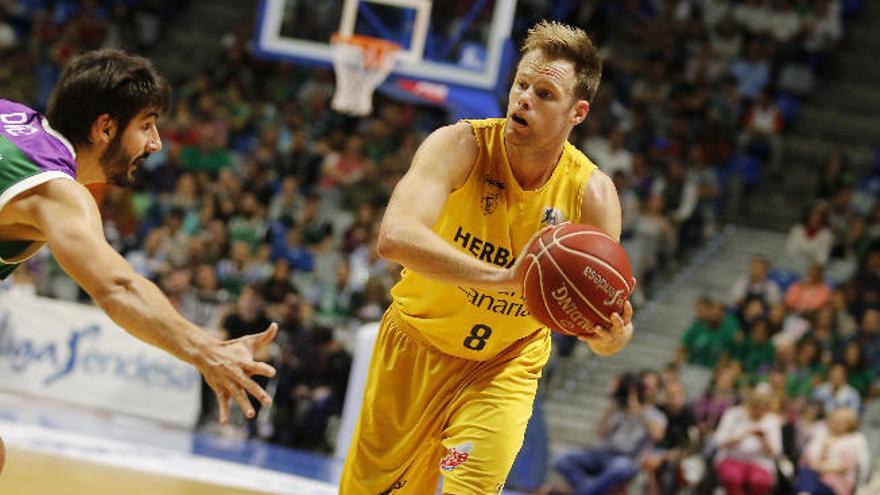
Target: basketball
{"x": 576, "y": 277}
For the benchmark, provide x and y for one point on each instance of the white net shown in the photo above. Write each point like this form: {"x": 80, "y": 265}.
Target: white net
{"x": 361, "y": 64}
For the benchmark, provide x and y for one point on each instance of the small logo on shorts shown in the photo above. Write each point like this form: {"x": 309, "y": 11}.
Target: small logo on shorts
{"x": 456, "y": 456}
{"x": 396, "y": 486}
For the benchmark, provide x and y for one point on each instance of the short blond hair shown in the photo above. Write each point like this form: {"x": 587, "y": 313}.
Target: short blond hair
{"x": 560, "y": 41}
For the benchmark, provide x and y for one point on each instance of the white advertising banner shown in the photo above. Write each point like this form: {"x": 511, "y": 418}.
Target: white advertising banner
{"x": 74, "y": 352}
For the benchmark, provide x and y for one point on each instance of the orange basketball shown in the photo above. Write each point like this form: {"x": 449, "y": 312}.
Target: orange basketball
{"x": 576, "y": 276}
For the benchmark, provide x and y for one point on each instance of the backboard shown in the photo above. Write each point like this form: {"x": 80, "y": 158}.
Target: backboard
{"x": 452, "y": 42}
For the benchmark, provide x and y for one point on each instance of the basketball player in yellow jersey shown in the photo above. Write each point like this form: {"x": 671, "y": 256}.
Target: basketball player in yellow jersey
{"x": 458, "y": 356}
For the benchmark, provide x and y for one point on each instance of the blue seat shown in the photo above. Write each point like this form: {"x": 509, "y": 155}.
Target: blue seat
{"x": 789, "y": 106}
{"x": 850, "y": 8}
{"x": 783, "y": 278}
{"x": 746, "y": 166}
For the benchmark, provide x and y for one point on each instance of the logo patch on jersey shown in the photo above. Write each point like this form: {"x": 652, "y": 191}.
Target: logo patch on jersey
{"x": 488, "y": 203}
{"x": 551, "y": 216}
{"x": 456, "y": 456}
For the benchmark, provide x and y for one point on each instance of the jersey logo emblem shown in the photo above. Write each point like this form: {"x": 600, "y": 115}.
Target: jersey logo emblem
{"x": 456, "y": 456}
{"x": 488, "y": 203}
{"x": 551, "y": 216}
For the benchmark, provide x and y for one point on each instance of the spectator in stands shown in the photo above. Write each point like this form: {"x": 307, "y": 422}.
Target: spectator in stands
{"x": 710, "y": 336}
{"x": 762, "y": 135}
{"x": 754, "y": 350}
{"x": 868, "y": 338}
{"x": 680, "y": 196}
{"x": 287, "y": 243}
{"x": 247, "y": 315}
{"x": 834, "y": 175}
{"x": 756, "y": 284}
{"x": 749, "y": 439}
{"x": 864, "y": 292}
{"x": 627, "y": 429}
{"x": 721, "y": 395}
{"x": 612, "y": 157}
{"x": 808, "y": 294}
{"x": 204, "y": 301}
{"x": 833, "y": 458}
{"x": 752, "y": 72}
{"x": 836, "y": 392}
{"x": 811, "y": 240}
{"x": 318, "y": 388}
{"x": 681, "y": 435}
{"x": 708, "y": 190}
{"x": 629, "y": 205}
{"x": 653, "y": 239}
{"x": 151, "y": 259}
{"x": 859, "y": 375}
{"x": 276, "y": 288}
{"x": 824, "y": 30}
{"x": 807, "y": 372}
{"x": 236, "y": 271}
{"x": 844, "y": 321}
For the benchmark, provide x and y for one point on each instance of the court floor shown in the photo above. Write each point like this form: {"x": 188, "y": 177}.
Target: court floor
{"x": 34, "y": 473}
{"x": 57, "y": 449}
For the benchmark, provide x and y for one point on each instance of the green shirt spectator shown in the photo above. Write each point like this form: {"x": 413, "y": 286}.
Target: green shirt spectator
{"x": 709, "y": 336}
{"x": 204, "y": 157}
{"x": 755, "y": 351}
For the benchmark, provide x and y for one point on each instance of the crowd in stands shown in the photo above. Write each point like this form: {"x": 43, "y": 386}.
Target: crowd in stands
{"x": 264, "y": 203}
{"x": 793, "y": 365}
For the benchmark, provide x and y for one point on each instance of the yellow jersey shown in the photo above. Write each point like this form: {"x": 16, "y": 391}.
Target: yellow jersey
{"x": 491, "y": 218}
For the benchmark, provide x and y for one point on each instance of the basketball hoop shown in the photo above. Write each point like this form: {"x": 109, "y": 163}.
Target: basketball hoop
{"x": 361, "y": 64}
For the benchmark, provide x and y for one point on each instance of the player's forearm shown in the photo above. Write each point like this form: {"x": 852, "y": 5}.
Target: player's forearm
{"x": 138, "y": 306}
{"x": 418, "y": 248}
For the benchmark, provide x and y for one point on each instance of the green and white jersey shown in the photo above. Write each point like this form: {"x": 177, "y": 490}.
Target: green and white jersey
{"x": 31, "y": 153}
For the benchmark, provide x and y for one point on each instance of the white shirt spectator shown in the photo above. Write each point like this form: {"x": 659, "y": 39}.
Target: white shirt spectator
{"x": 714, "y": 11}
{"x": 7, "y": 36}
{"x": 611, "y": 160}
{"x": 814, "y": 248}
{"x": 688, "y": 201}
{"x": 753, "y": 16}
{"x": 785, "y": 25}
{"x": 850, "y": 451}
{"x": 824, "y": 29}
{"x": 735, "y": 423}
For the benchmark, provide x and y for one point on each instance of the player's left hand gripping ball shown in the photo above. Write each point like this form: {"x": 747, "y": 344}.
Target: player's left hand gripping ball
{"x": 612, "y": 340}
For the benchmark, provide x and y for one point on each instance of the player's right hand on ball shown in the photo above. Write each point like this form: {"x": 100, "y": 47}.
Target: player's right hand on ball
{"x": 227, "y": 366}
{"x": 516, "y": 274}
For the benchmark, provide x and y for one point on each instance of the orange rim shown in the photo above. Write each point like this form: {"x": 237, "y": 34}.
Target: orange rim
{"x": 376, "y": 50}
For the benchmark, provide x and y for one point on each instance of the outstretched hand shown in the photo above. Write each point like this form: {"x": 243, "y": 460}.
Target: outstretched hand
{"x": 608, "y": 341}
{"x": 228, "y": 365}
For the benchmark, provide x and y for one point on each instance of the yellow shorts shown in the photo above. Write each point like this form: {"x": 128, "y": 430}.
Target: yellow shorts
{"x": 427, "y": 414}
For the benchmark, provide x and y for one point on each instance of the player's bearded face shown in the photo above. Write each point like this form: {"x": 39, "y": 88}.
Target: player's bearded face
{"x": 119, "y": 165}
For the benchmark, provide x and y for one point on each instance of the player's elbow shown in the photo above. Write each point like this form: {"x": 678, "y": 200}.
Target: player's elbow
{"x": 389, "y": 241}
